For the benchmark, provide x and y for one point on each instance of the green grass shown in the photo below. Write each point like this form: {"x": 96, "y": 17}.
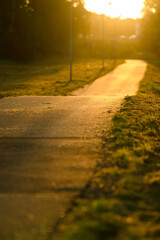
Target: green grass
{"x": 49, "y": 78}
{"x": 122, "y": 201}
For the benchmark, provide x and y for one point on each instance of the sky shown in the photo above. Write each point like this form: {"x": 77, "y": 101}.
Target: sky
{"x": 116, "y": 8}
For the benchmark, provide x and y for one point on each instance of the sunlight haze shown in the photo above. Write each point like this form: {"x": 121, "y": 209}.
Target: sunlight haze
{"x": 116, "y": 8}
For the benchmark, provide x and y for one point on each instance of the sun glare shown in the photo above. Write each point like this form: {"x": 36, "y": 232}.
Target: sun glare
{"x": 116, "y": 8}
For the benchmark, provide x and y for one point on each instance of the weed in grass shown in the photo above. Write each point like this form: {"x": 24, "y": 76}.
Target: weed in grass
{"x": 122, "y": 158}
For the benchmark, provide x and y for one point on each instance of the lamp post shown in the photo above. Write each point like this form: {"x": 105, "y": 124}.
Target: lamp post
{"x": 102, "y": 40}
{"x": 71, "y": 25}
{"x": 110, "y": 3}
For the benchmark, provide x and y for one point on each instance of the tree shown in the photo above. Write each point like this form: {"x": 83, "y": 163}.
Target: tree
{"x": 37, "y": 28}
{"x": 13, "y": 28}
{"x": 150, "y": 24}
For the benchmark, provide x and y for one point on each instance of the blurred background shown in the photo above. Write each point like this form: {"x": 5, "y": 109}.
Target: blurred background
{"x": 38, "y": 29}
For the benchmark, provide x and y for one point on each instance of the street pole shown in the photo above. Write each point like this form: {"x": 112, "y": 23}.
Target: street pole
{"x": 102, "y": 40}
{"x": 71, "y": 25}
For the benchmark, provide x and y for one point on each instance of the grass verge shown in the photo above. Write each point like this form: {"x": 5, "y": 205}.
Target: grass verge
{"x": 49, "y": 78}
{"x": 122, "y": 199}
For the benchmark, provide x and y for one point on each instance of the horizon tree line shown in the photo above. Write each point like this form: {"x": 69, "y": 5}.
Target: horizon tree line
{"x": 33, "y": 29}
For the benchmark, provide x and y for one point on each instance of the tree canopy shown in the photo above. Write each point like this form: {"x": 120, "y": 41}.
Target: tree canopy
{"x": 34, "y": 28}
{"x": 151, "y": 23}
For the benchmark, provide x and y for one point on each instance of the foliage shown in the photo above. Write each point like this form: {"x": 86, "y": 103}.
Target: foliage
{"x": 36, "y": 28}
{"x": 151, "y": 23}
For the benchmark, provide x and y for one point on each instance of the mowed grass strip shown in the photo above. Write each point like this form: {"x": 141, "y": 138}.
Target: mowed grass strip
{"x": 122, "y": 201}
{"x": 50, "y": 79}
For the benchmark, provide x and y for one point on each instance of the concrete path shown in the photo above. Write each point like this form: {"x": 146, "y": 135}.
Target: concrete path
{"x": 49, "y": 147}
{"x": 124, "y": 80}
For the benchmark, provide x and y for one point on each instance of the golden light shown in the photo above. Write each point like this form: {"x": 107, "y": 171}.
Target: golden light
{"x": 116, "y": 8}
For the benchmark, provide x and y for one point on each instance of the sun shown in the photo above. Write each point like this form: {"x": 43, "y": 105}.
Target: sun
{"x": 116, "y": 8}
